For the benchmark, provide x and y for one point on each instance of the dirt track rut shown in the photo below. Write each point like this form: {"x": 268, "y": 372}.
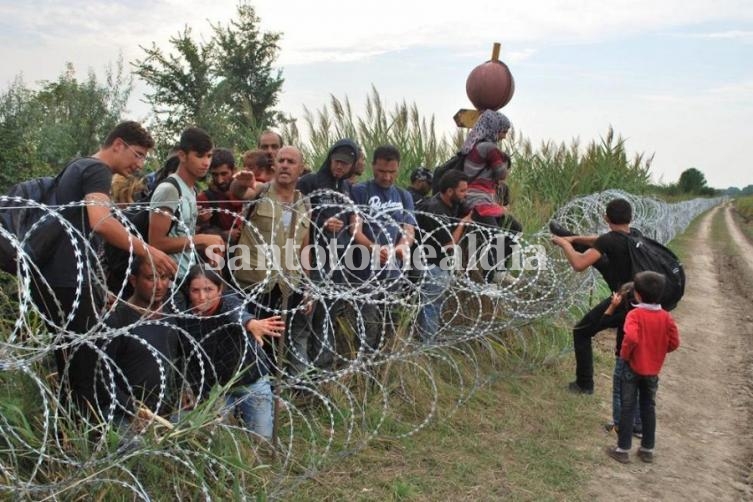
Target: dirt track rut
{"x": 704, "y": 429}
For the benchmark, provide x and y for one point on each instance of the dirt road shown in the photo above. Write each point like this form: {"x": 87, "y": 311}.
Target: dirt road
{"x": 704, "y": 441}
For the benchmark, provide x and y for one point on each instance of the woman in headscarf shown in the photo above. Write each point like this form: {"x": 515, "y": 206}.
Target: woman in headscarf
{"x": 486, "y": 166}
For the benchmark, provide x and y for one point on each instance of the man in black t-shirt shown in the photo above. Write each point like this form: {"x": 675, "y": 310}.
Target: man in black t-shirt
{"x": 609, "y": 254}
{"x": 67, "y": 289}
{"x": 441, "y": 224}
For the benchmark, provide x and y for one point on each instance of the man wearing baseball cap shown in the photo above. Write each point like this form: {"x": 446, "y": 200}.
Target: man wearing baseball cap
{"x": 329, "y": 193}
{"x": 420, "y": 184}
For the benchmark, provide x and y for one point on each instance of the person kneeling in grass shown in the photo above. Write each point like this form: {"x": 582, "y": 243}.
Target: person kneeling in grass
{"x": 231, "y": 348}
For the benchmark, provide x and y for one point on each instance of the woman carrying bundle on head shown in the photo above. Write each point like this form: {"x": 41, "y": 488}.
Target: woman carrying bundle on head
{"x": 487, "y": 167}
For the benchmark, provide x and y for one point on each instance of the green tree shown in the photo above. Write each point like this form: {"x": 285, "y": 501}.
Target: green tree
{"x": 180, "y": 83}
{"x": 226, "y": 85}
{"x": 79, "y": 114}
{"x": 19, "y": 125}
{"x": 692, "y": 181}
{"x": 42, "y": 129}
{"x": 248, "y": 96}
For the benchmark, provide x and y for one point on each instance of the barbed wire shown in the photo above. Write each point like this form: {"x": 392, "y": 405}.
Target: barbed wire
{"x": 51, "y": 448}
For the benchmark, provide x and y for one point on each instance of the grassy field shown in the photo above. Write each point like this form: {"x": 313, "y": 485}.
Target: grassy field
{"x": 744, "y": 206}
{"x": 744, "y": 215}
{"x": 521, "y": 436}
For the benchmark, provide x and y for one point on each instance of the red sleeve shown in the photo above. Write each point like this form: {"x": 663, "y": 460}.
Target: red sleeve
{"x": 234, "y": 202}
{"x": 630, "y": 341}
{"x": 495, "y": 158}
{"x": 202, "y": 201}
{"x": 674, "y": 334}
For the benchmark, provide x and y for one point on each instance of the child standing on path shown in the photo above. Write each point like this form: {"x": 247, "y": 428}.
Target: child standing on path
{"x": 622, "y": 301}
{"x": 650, "y": 333}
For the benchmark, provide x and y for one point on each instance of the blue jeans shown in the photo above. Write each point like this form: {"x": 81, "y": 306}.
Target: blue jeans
{"x": 619, "y": 365}
{"x": 435, "y": 283}
{"x": 252, "y": 405}
{"x": 641, "y": 390}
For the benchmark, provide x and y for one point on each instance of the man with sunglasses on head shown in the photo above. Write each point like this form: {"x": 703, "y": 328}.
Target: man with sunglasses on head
{"x": 68, "y": 289}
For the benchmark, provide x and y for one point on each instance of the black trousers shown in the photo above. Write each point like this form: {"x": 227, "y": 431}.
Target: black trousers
{"x": 583, "y": 332}
{"x": 76, "y": 363}
{"x": 640, "y": 390}
{"x": 297, "y": 331}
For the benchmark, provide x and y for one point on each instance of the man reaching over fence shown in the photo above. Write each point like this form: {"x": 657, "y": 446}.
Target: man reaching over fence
{"x": 616, "y": 268}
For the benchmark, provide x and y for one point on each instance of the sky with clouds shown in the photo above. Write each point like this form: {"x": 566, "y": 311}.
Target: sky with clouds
{"x": 675, "y": 78}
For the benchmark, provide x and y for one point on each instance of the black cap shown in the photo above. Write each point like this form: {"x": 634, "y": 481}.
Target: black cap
{"x": 344, "y": 154}
{"x": 421, "y": 174}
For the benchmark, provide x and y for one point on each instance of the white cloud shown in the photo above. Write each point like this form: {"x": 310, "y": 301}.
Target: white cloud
{"x": 39, "y": 36}
{"x": 314, "y": 31}
{"x": 739, "y": 92}
{"x": 739, "y": 35}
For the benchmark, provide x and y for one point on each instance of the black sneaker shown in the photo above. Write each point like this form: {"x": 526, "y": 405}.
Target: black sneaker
{"x": 638, "y": 433}
{"x": 557, "y": 229}
{"x": 577, "y": 389}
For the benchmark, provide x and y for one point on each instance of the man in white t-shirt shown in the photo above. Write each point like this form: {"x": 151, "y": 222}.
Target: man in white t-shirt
{"x": 178, "y": 198}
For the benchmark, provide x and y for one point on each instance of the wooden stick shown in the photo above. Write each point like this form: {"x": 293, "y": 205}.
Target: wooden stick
{"x": 148, "y": 414}
{"x": 495, "y": 51}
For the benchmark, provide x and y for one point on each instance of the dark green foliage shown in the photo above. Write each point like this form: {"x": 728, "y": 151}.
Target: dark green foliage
{"x": 42, "y": 129}
{"x": 692, "y": 183}
{"x": 225, "y": 85}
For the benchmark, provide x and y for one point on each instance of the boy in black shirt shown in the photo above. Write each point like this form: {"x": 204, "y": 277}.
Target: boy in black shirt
{"x": 68, "y": 291}
{"x": 586, "y": 251}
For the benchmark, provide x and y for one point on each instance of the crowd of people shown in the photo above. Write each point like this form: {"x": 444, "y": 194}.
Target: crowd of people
{"x": 273, "y": 272}
{"x": 205, "y": 304}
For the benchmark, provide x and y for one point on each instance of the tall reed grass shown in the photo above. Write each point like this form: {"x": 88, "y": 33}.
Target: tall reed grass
{"x": 543, "y": 176}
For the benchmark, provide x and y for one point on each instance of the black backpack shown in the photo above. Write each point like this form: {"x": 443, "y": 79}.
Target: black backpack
{"x": 17, "y": 217}
{"x": 647, "y": 254}
{"x": 456, "y": 162}
{"x": 116, "y": 259}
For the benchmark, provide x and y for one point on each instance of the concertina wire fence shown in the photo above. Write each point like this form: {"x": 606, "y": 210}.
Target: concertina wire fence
{"x": 48, "y": 448}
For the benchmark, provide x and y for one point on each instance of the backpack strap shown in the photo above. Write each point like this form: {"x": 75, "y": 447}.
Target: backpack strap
{"x": 170, "y": 180}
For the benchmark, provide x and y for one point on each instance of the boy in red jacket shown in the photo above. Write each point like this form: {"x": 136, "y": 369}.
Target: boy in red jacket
{"x": 650, "y": 333}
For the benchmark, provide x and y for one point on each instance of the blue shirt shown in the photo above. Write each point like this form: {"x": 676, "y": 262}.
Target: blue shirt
{"x": 384, "y": 212}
